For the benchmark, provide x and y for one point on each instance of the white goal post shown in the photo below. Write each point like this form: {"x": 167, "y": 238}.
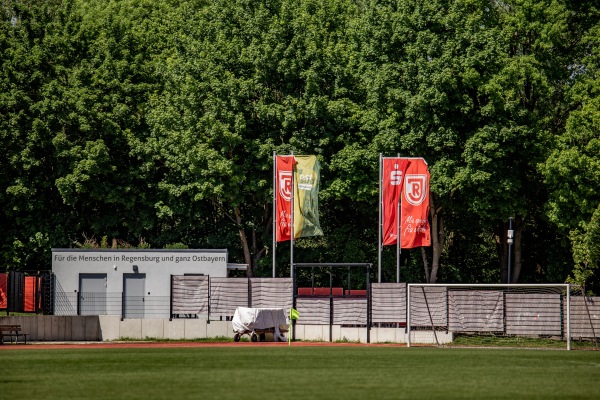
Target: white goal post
{"x": 441, "y": 312}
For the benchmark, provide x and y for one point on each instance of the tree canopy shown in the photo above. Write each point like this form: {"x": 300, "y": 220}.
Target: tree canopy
{"x": 155, "y": 123}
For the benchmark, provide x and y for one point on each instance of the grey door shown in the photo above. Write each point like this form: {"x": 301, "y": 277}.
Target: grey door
{"x": 134, "y": 287}
{"x": 92, "y": 294}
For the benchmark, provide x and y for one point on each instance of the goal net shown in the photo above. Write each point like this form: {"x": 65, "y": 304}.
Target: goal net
{"x": 491, "y": 315}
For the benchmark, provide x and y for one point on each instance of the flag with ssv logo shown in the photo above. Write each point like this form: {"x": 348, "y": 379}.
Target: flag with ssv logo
{"x": 414, "y": 227}
{"x": 405, "y": 181}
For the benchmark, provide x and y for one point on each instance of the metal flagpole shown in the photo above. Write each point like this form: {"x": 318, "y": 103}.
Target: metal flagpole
{"x": 380, "y": 221}
{"x": 569, "y": 316}
{"x": 274, "y": 249}
{"x": 292, "y": 222}
{"x": 510, "y": 239}
{"x": 398, "y": 244}
{"x": 398, "y": 238}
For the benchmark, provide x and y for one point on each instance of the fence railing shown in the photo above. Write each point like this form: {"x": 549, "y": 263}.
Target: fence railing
{"x": 112, "y": 303}
{"x": 191, "y": 297}
{"x": 471, "y": 309}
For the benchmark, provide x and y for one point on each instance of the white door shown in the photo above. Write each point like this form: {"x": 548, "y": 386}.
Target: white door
{"x": 134, "y": 286}
{"x": 92, "y": 294}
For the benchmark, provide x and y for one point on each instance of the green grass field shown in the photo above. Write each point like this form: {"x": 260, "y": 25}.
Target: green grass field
{"x": 299, "y": 373}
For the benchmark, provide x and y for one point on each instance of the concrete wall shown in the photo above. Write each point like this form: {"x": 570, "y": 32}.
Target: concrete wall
{"x": 112, "y": 328}
{"x": 377, "y": 335}
{"x": 57, "y": 328}
{"x": 97, "y": 328}
{"x": 107, "y": 328}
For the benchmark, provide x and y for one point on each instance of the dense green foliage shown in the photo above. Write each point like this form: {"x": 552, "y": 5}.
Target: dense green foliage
{"x": 259, "y": 372}
{"x": 155, "y": 123}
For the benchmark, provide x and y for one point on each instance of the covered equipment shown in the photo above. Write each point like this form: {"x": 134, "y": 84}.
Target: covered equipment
{"x": 258, "y": 321}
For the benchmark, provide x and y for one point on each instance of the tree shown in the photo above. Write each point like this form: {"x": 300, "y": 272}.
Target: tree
{"x": 34, "y": 56}
{"x": 518, "y": 109}
{"x": 421, "y": 66}
{"x": 158, "y": 120}
{"x": 248, "y": 79}
{"x": 572, "y": 170}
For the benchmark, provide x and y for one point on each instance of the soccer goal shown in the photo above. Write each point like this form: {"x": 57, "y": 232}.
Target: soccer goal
{"x": 520, "y": 315}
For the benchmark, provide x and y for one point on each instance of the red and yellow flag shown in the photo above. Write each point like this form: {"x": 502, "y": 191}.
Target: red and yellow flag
{"x": 297, "y": 177}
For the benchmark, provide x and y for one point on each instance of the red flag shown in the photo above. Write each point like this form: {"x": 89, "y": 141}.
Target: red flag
{"x": 393, "y": 173}
{"x": 283, "y": 189}
{"x": 3, "y": 291}
{"x": 415, "y": 206}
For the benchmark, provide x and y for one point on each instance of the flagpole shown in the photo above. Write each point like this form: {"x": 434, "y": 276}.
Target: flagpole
{"x": 380, "y": 219}
{"x": 274, "y": 249}
{"x": 400, "y": 231}
{"x": 292, "y": 221}
{"x": 290, "y": 329}
{"x": 398, "y": 240}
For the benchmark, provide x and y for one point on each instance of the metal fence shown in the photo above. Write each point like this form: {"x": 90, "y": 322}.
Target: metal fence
{"x": 535, "y": 310}
{"x": 26, "y": 291}
{"x": 112, "y": 303}
{"x": 190, "y": 297}
{"x": 554, "y": 311}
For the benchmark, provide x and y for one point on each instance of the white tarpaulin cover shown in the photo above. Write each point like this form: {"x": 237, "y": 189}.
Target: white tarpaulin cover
{"x": 250, "y": 319}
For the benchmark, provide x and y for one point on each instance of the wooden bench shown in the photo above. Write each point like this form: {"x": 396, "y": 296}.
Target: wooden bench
{"x": 12, "y": 331}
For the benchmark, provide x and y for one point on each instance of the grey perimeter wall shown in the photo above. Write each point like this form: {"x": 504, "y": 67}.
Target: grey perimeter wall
{"x": 108, "y": 328}
{"x": 540, "y": 312}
